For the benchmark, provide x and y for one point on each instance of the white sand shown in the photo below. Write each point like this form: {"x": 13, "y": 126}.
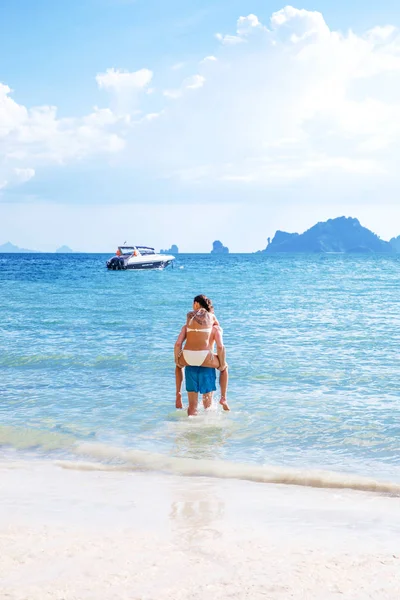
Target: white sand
{"x": 76, "y": 535}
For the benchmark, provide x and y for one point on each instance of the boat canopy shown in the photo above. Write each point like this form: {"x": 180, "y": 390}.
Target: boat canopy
{"x": 131, "y": 249}
{"x": 145, "y": 250}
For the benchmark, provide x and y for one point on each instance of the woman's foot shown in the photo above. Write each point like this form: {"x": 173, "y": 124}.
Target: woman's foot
{"x": 224, "y": 403}
{"x": 178, "y": 401}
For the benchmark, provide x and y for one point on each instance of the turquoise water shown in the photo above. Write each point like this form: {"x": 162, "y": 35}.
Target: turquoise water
{"x": 86, "y": 355}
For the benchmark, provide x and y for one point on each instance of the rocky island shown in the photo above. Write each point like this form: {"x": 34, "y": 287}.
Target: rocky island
{"x": 219, "y": 248}
{"x": 343, "y": 234}
{"x": 395, "y": 243}
{"x": 9, "y": 247}
{"x": 64, "y": 250}
{"x": 173, "y": 250}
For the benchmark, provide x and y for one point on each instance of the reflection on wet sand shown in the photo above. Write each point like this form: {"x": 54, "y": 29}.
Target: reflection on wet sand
{"x": 197, "y": 509}
{"x": 196, "y": 512}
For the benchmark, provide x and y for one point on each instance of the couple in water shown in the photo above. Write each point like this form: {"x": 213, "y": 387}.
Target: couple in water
{"x": 200, "y": 334}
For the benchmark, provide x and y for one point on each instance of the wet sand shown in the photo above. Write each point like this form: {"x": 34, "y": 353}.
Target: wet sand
{"x": 69, "y": 534}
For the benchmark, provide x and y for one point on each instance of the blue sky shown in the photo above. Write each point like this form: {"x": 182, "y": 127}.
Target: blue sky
{"x": 121, "y": 119}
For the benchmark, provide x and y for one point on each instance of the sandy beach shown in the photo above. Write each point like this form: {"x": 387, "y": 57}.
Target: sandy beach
{"x": 68, "y": 534}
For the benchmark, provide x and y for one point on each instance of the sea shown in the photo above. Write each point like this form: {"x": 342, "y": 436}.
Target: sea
{"x": 87, "y": 367}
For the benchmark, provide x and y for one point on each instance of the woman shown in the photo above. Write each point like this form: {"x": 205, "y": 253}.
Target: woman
{"x": 201, "y": 332}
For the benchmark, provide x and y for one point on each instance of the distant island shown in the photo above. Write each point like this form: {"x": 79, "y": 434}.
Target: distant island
{"x": 173, "y": 250}
{"x": 395, "y": 243}
{"x": 339, "y": 235}
{"x": 64, "y": 250}
{"x": 219, "y": 248}
{"x": 343, "y": 234}
{"x": 9, "y": 247}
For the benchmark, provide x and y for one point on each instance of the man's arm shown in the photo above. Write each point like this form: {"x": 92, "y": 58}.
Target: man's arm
{"x": 179, "y": 344}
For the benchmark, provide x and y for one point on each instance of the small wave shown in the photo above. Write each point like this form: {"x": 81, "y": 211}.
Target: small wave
{"x": 97, "y": 456}
{"x": 140, "y": 460}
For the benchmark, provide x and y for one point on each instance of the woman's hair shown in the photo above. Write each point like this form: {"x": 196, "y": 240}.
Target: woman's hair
{"x": 204, "y": 302}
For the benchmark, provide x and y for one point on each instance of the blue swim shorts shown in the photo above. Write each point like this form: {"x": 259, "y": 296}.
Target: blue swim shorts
{"x": 200, "y": 379}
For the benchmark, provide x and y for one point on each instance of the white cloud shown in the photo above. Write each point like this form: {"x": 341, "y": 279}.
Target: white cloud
{"x": 334, "y": 96}
{"x": 11, "y": 113}
{"x": 102, "y": 117}
{"x": 381, "y": 33}
{"x": 195, "y": 82}
{"x": 245, "y": 26}
{"x": 152, "y": 116}
{"x": 35, "y": 137}
{"x": 178, "y": 66}
{"x": 24, "y": 175}
{"x": 173, "y": 94}
{"x": 229, "y": 39}
{"x": 120, "y": 81}
{"x": 303, "y": 23}
{"x": 125, "y": 88}
{"x": 15, "y": 176}
{"x": 279, "y": 103}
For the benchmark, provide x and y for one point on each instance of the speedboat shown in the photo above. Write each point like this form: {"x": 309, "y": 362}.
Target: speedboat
{"x": 138, "y": 257}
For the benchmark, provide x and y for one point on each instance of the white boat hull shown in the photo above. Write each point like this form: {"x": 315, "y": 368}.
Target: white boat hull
{"x": 155, "y": 261}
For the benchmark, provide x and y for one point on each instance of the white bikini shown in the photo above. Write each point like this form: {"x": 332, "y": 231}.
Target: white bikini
{"x": 195, "y": 358}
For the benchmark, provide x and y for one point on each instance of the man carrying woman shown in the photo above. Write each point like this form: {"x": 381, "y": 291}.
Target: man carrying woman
{"x": 200, "y": 333}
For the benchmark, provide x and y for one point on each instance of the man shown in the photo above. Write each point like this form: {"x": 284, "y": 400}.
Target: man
{"x": 201, "y": 379}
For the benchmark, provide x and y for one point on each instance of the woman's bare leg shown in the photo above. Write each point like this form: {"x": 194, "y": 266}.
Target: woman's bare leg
{"x": 178, "y": 383}
{"x": 212, "y": 361}
{"x": 178, "y": 380}
{"x": 182, "y": 362}
{"x": 223, "y": 378}
{"x": 193, "y": 403}
{"x": 223, "y": 384}
{"x": 221, "y": 353}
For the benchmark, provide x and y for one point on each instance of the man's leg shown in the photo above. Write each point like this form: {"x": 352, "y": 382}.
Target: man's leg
{"x": 193, "y": 398}
{"x": 192, "y": 388}
{"x": 207, "y": 387}
{"x": 207, "y": 399}
{"x": 178, "y": 382}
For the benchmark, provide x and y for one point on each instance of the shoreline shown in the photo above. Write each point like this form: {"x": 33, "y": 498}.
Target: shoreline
{"x": 70, "y": 534}
{"x": 67, "y": 452}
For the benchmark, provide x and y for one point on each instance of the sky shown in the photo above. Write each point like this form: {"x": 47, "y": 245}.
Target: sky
{"x": 187, "y": 121}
